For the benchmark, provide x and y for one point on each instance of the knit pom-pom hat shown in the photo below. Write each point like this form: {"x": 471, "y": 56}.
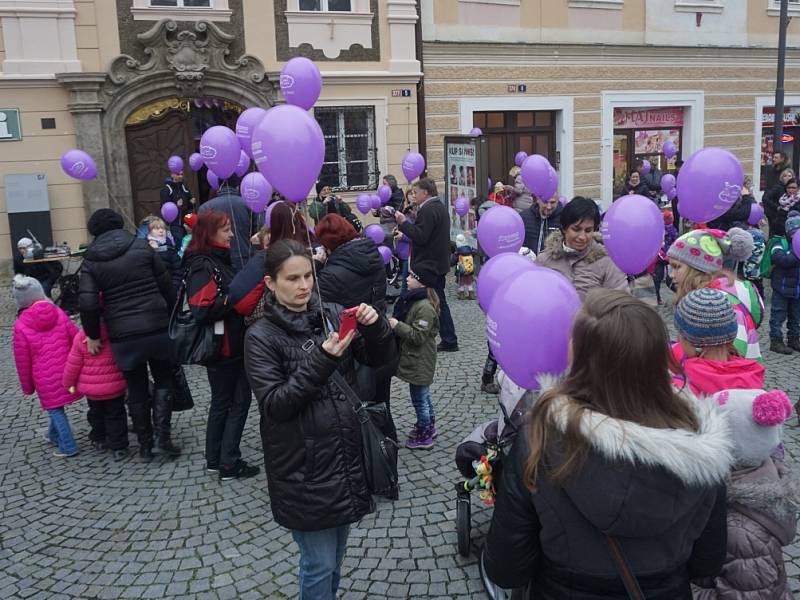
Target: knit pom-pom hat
{"x": 26, "y": 290}
{"x": 755, "y": 418}
{"x": 706, "y": 249}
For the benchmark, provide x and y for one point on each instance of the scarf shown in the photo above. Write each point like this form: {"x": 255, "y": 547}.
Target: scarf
{"x": 787, "y": 202}
{"x": 405, "y": 302}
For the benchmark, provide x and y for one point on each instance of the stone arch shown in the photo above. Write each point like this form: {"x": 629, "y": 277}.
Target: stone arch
{"x": 190, "y": 63}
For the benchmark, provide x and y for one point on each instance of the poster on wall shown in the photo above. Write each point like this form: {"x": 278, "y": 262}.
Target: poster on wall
{"x": 465, "y": 176}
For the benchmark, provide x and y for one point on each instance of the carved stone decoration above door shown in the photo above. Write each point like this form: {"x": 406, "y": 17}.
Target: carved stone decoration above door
{"x": 189, "y": 55}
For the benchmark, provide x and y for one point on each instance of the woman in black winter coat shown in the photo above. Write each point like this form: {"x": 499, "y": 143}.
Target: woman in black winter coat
{"x": 635, "y": 185}
{"x": 309, "y": 429}
{"x": 123, "y": 282}
{"x": 771, "y": 199}
{"x": 210, "y": 272}
{"x": 612, "y": 456}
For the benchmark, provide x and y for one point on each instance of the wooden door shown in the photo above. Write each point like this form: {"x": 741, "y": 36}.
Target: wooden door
{"x": 150, "y": 144}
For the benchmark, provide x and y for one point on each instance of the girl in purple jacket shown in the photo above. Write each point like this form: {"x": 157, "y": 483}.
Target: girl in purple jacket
{"x": 43, "y": 335}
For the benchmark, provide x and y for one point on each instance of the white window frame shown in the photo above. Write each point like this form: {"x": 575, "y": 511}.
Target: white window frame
{"x": 373, "y": 165}
{"x": 356, "y": 6}
{"x": 774, "y": 8}
{"x": 602, "y": 4}
{"x": 702, "y": 6}
{"x": 218, "y": 11}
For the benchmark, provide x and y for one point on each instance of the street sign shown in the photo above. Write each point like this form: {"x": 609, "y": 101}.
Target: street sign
{"x": 10, "y": 128}
{"x": 401, "y": 93}
{"x": 522, "y": 88}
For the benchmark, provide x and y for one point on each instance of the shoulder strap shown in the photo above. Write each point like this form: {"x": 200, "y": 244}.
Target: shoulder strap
{"x": 339, "y": 381}
{"x": 628, "y": 578}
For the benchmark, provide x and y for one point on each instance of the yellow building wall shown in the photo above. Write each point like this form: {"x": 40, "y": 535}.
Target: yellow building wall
{"x": 39, "y": 152}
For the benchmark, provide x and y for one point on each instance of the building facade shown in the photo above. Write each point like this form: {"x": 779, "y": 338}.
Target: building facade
{"x": 596, "y": 84}
{"x": 134, "y": 81}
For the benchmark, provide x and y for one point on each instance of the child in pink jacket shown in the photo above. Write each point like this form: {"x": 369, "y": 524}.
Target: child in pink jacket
{"x": 43, "y": 335}
{"x": 97, "y": 377}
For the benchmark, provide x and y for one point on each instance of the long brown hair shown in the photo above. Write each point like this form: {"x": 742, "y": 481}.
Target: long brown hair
{"x": 207, "y": 225}
{"x": 620, "y": 368}
{"x": 696, "y": 280}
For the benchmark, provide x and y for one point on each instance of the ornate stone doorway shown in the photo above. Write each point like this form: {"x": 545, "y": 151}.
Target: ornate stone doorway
{"x": 158, "y": 130}
{"x": 186, "y": 65}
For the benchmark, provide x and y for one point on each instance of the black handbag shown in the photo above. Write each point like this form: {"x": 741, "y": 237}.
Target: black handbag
{"x": 193, "y": 343}
{"x": 181, "y": 394}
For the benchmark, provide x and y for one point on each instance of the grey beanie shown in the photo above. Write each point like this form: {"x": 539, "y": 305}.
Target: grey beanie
{"x": 706, "y": 249}
{"x": 27, "y": 290}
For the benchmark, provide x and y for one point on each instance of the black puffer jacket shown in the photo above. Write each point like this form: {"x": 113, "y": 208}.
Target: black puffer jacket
{"x": 537, "y": 227}
{"x": 309, "y": 430}
{"x": 354, "y": 273}
{"x": 123, "y": 280}
{"x": 770, "y": 201}
{"x": 430, "y": 241}
{"x": 736, "y": 216}
{"x": 659, "y": 492}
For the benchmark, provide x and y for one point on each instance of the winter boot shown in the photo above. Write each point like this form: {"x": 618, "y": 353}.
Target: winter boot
{"x": 794, "y": 343}
{"x": 490, "y": 388}
{"x": 162, "y": 413}
{"x": 420, "y": 439}
{"x": 779, "y": 347}
{"x": 471, "y": 295}
{"x": 142, "y": 426}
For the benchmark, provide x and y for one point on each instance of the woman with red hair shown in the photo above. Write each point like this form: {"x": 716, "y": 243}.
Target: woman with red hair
{"x": 208, "y": 258}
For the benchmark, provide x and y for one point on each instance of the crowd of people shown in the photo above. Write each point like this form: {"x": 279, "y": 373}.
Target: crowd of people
{"x": 649, "y": 465}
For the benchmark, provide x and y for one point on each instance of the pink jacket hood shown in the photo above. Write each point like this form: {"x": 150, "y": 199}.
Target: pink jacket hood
{"x": 711, "y": 376}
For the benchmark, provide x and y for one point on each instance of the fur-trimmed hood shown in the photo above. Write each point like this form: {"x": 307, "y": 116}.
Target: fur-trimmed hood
{"x": 639, "y": 478}
{"x": 555, "y": 247}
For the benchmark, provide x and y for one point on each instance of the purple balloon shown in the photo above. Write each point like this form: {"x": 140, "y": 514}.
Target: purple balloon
{"x": 756, "y": 213}
{"x": 288, "y": 149}
{"x": 244, "y": 164}
{"x": 76, "y": 163}
{"x": 384, "y": 193}
{"x": 175, "y": 164}
{"x": 256, "y": 191}
{"x": 403, "y": 248}
{"x": 363, "y": 203}
{"x": 169, "y": 210}
{"x": 633, "y": 233}
{"x": 672, "y": 194}
{"x": 667, "y": 182}
{"x": 212, "y": 179}
{"x": 796, "y": 244}
{"x": 195, "y": 161}
{"x": 500, "y": 230}
{"x": 537, "y": 304}
{"x": 413, "y": 165}
{"x": 374, "y": 201}
{"x": 268, "y": 214}
{"x": 301, "y": 82}
{"x": 646, "y": 167}
{"x": 551, "y": 187}
{"x": 220, "y": 150}
{"x": 461, "y": 206}
{"x": 669, "y": 149}
{"x": 497, "y": 271}
{"x": 520, "y": 158}
{"x": 475, "y": 131}
{"x": 709, "y": 183}
{"x": 386, "y": 254}
{"x": 562, "y": 200}
{"x": 375, "y": 233}
{"x": 245, "y": 125}
{"x": 537, "y": 176}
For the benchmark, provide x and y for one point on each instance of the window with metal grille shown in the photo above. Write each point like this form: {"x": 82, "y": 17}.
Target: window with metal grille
{"x": 351, "y": 158}
{"x": 325, "y": 5}
{"x": 182, "y": 3}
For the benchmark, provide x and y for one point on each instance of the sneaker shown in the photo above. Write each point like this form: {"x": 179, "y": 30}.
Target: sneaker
{"x": 779, "y": 347}
{"x": 413, "y": 431}
{"x": 60, "y": 454}
{"x": 46, "y": 438}
{"x": 442, "y": 347}
{"x": 421, "y": 441}
{"x": 471, "y": 295}
{"x": 98, "y": 446}
{"x": 119, "y": 455}
{"x": 490, "y": 388}
{"x": 212, "y": 469}
{"x": 239, "y": 471}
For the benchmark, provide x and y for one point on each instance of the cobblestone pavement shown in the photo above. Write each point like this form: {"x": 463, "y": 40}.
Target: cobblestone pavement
{"x": 88, "y": 528}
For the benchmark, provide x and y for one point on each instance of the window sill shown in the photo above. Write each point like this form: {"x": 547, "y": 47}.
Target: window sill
{"x": 500, "y": 2}
{"x": 775, "y": 11}
{"x": 182, "y": 14}
{"x": 602, "y": 4}
{"x": 330, "y": 31}
{"x": 695, "y": 7}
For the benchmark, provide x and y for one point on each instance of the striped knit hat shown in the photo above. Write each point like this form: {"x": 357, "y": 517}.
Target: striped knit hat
{"x": 705, "y": 318}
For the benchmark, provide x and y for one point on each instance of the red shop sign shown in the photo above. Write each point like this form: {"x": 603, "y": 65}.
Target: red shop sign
{"x": 631, "y": 118}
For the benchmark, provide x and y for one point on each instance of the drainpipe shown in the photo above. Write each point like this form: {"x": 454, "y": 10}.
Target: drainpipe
{"x": 777, "y": 137}
{"x": 421, "y": 138}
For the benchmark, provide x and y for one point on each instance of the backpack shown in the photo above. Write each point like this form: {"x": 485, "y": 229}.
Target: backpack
{"x": 466, "y": 265}
{"x": 766, "y": 262}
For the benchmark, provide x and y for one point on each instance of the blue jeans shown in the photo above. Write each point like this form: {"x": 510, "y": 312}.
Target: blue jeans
{"x": 784, "y": 309}
{"x": 421, "y": 399}
{"x": 403, "y": 276}
{"x": 321, "y": 554}
{"x": 60, "y": 432}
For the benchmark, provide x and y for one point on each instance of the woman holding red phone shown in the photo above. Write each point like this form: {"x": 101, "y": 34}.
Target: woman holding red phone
{"x": 310, "y": 433}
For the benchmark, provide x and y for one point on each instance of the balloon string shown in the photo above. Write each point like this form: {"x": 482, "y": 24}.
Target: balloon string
{"x": 118, "y": 205}
{"x": 314, "y": 270}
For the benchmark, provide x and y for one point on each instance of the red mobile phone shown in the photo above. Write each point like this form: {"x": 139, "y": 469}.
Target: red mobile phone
{"x": 348, "y": 322}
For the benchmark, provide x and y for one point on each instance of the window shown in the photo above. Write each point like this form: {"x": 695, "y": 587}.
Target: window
{"x": 351, "y": 158}
{"x": 182, "y": 3}
{"x": 326, "y": 5}
{"x": 774, "y": 8}
{"x": 695, "y": 6}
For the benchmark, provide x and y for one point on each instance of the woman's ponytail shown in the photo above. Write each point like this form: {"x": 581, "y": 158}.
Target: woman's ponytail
{"x": 433, "y": 298}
